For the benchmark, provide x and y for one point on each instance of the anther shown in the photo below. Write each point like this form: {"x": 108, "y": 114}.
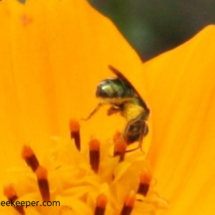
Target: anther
{"x": 101, "y": 203}
{"x": 30, "y": 158}
{"x": 94, "y": 145}
{"x": 119, "y": 146}
{"x": 128, "y": 204}
{"x": 43, "y": 183}
{"x": 117, "y": 136}
{"x": 145, "y": 179}
{"x": 11, "y": 195}
{"x": 75, "y": 132}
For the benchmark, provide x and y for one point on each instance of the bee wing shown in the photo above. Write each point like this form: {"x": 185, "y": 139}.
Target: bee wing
{"x": 121, "y": 76}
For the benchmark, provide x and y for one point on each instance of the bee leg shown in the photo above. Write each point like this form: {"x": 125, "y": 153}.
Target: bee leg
{"x": 93, "y": 112}
{"x": 139, "y": 145}
{"x": 112, "y": 110}
{"x": 144, "y": 132}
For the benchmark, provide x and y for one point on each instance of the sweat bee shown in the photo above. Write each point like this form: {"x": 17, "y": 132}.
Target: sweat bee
{"x": 123, "y": 98}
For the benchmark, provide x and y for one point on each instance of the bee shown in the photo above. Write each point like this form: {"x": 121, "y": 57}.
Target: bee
{"x": 123, "y": 98}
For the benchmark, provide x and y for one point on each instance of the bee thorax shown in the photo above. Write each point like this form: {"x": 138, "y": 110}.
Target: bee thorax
{"x": 132, "y": 111}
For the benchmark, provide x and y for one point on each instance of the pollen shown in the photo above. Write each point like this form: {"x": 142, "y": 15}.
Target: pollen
{"x": 101, "y": 179}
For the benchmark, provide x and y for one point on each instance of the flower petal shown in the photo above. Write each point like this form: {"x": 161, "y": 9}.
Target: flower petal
{"x": 53, "y": 54}
{"x": 181, "y": 93}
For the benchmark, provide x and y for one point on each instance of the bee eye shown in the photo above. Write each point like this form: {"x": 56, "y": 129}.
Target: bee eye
{"x": 102, "y": 92}
{"x": 108, "y": 89}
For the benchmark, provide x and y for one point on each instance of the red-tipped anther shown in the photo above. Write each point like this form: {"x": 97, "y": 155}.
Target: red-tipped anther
{"x": 128, "y": 204}
{"x": 94, "y": 145}
{"x": 117, "y": 136}
{"x": 145, "y": 180}
{"x": 11, "y": 195}
{"x": 75, "y": 132}
{"x": 119, "y": 146}
{"x": 43, "y": 183}
{"x": 29, "y": 157}
{"x": 101, "y": 203}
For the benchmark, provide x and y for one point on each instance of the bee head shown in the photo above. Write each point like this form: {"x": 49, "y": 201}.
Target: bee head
{"x": 113, "y": 88}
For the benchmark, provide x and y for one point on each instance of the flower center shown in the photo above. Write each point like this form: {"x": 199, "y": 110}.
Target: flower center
{"x": 106, "y": 180}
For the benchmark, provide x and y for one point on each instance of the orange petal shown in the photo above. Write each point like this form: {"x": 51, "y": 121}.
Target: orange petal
{"x": 53, "y": 54}
{"x": 181, "y": 93}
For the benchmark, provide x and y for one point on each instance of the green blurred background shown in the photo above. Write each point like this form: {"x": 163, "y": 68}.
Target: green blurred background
{"x": 155, "y": 26}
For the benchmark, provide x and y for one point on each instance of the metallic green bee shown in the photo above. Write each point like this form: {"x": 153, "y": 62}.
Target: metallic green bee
{"x": 124, "y": 99}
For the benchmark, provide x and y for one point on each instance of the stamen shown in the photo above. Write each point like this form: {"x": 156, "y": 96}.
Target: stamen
{"x": 94, "y": 145}
{"x": 43, "y": 183}
{"x": 101, "y": 203}
{"x": 120, "y": 146}
{"x": 145, "y": 179}
{"x": 128, "y": 204}
{"x": 117, "y": 136}
{"x": 30, "y": 158}
{"x": 11, "y": 195}
{"x": 75, "y": 132}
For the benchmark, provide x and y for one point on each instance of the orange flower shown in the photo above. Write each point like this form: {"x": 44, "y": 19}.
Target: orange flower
{"x": 53, "y": 55}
